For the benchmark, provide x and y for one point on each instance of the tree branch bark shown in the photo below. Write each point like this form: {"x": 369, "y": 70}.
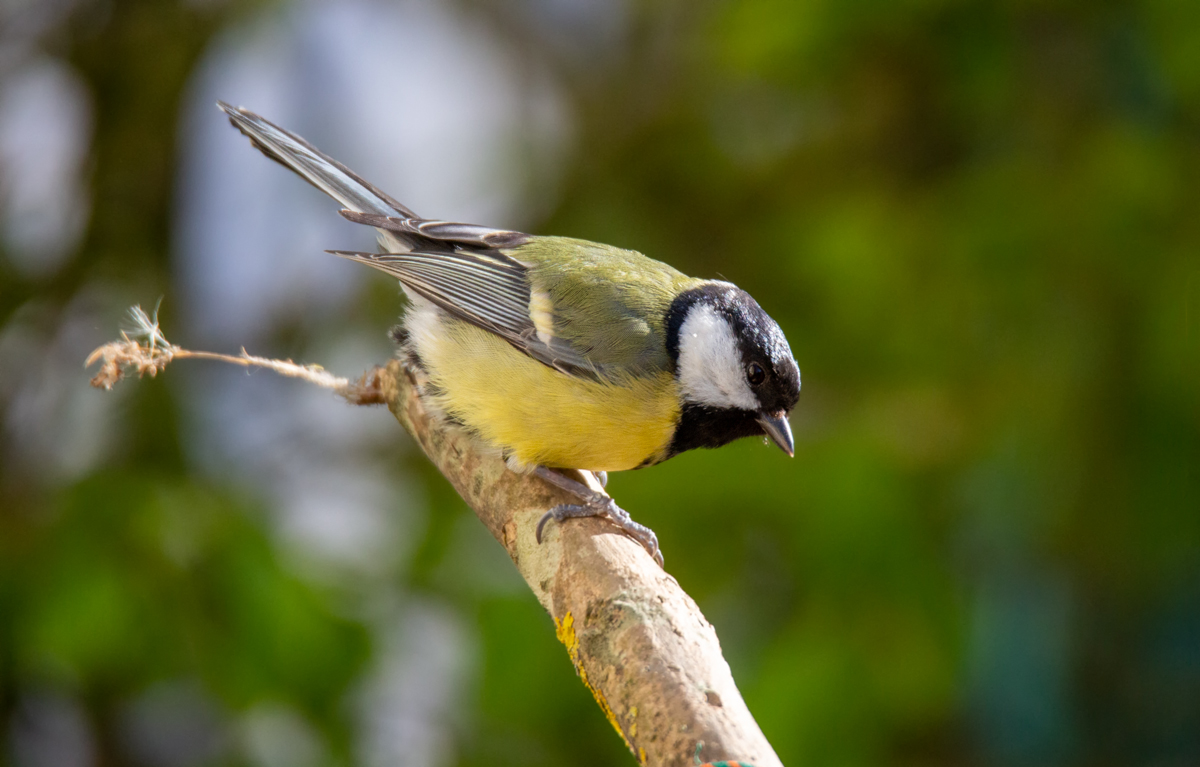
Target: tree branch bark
{"x": 638, "y": 642}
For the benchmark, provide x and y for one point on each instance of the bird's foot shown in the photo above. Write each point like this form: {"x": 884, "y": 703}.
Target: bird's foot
{"x": 608, "y": 509}
{"x": 595, "y": 504}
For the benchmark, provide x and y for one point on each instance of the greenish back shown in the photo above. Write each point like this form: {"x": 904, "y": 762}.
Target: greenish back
{"x": 610, "y": 304}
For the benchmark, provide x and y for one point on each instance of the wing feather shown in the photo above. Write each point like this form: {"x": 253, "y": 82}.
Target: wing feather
{"x": 460, "y": 267}
{"x": 444, "y": 231}
{"x": 488, "y": 290}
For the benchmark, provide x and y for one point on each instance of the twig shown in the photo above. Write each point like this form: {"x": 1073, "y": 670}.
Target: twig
{"x": 145, "y": 350}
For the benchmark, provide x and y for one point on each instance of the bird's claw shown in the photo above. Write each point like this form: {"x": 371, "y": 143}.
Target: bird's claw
{"x": 603, "y": 506}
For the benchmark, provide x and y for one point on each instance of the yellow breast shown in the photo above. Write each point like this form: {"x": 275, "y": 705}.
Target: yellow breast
{"x": 542, "y": 416}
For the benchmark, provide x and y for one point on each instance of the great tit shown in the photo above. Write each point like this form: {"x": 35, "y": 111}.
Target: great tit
{"x": 561, "y": 353}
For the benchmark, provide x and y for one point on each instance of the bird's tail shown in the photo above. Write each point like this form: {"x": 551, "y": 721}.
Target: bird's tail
{"x": 319, "y": 169}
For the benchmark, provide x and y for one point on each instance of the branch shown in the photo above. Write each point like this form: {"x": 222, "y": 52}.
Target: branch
{"x": 146, "y": 351}
{"x": 638, "y": 642}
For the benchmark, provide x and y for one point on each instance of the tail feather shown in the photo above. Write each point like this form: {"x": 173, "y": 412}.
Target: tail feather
{"x": 319, "y": 169}
{"x": 399, "y": 229}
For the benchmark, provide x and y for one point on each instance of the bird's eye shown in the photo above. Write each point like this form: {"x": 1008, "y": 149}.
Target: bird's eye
{"x": 755, "y": 374}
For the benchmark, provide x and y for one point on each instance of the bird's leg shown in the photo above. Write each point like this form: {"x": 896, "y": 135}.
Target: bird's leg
{"x": 595, "y": 504}
{"x": 601, "y": 477}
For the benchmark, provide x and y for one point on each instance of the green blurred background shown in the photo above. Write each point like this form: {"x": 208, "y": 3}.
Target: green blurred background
{"x": 977, "y": 222}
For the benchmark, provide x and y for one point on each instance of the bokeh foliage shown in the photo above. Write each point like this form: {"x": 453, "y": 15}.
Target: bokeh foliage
{"x": 978, "y": 224}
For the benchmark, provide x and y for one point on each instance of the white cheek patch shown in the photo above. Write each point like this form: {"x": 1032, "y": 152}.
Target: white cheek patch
{"x": 710, "y": 365}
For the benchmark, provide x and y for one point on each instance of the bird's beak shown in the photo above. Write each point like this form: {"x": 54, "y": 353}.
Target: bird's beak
{"x": 777, "y": 428}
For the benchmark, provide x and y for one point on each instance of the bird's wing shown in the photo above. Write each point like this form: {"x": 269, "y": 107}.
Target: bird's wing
{"x": 487, "y": 289}
{"x": 460, "y": 267}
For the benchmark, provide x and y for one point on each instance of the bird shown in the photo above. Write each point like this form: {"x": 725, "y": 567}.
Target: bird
{"x": 563, "y": 355}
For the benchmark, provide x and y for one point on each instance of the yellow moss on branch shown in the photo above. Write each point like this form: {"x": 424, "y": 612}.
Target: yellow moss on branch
{"x": 565, "y": 631}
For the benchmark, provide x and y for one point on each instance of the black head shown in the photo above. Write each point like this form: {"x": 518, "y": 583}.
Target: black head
{"x": 735, "y": 370}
